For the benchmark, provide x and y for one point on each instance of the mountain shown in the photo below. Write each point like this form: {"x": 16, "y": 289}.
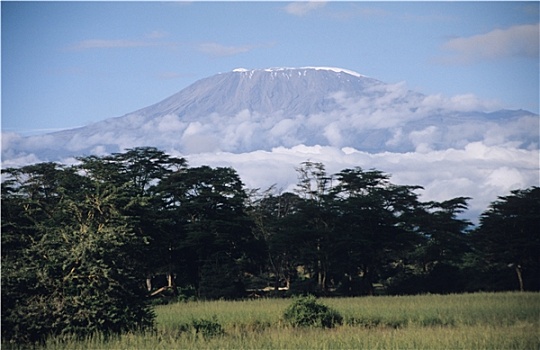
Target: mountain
{"x": 264, "y": 122}
{"x": 291, "y": 91}
{"x": 247, "y": 110}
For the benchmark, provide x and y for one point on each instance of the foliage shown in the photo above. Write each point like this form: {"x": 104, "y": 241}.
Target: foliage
{"x": 74, "y": 269}
{"x": 80, "y": 243}
{"x": 206, "y": 327}
{"x": 305, "y": 311}
{"x": 508, "y": 237}
{"x": 220, "y": 279}
{"x": 466, "y": 321}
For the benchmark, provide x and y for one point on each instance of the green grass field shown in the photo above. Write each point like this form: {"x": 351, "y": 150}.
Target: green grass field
{"x": 465, "y": 321}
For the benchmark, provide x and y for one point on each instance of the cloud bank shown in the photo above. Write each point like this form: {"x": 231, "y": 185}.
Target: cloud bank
{"x": 443, "y": 144}
{"x": 516, "y": 41}
{"x": 478, "y": 171}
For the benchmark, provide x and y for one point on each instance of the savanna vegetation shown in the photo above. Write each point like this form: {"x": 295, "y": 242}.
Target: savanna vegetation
{"x": 90, "y": 249}
{"x": 503, "y": 320}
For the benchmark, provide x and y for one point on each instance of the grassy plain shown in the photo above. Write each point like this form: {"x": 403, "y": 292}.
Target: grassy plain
{"x": 461, "y": 321}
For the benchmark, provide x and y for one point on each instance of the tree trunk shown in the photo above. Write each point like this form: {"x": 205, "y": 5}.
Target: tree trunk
{"x": 170, "y": 273}
{"x": 276, "y": 282}
{"x": 520, "y": 277}
{"x": 170, "y": 281}
{"x": 149, "y": 282}
{"x": 367, "y": 283}
{"x": 321, "y": 278}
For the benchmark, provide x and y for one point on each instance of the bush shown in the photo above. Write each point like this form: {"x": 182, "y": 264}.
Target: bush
{"x": 73, "y": 272}
{"x": 307, "y": 312}
{"x": 207, "y": 328}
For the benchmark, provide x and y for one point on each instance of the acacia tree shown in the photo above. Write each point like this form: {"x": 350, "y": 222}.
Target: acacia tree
{"x": 374, "y": 227}
{"x": 435, "y": 263}
{"x": 444, "y": 233}
{"x": 211, "y": 224}
{"x": 314, "y": 222}
{"x": 508, "y": 236}
{"x": 271, "y": 214}
{"x": 138, "y": 172}
{"x": 72, "y": 265}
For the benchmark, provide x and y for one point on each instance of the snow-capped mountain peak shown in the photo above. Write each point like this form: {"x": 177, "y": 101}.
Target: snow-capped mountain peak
{"x": 264, "y": 122}
{"x": 288, "y": 69}
{"x": 260, "y": 109}
{"x": 337, "y": 70}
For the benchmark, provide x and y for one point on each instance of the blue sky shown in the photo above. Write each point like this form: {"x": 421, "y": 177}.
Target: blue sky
{"x": 68, "y": 64}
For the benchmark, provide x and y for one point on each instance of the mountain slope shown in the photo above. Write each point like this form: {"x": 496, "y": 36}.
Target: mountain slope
{"x": 293, "y": 91}
{"x": 247, "y": 110}
{"x": 265, "y": 122}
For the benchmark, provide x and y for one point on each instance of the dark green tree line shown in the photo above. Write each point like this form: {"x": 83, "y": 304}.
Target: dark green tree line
{"x": 85, "y": 247}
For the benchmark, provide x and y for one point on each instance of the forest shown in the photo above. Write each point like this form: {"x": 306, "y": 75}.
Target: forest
{"x": 89, "y": 247}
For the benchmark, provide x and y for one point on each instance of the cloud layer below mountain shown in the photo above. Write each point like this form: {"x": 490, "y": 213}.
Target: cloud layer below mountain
{"x": 478, "y": 171}
{"x": 482, "y": 170}
{"x": 433, "y": 141}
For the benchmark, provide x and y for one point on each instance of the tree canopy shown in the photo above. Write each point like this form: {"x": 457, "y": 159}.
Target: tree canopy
{"x": 86, "y": 247}
{"x": 508, "y": 236}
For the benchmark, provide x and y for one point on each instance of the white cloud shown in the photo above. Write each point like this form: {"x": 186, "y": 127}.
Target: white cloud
{"x": 215, "y": 49}
{"x": 478, "y": 171}
{"x": 423, "y": 139}
{"x": 149, "y": 40}
{"x": 420, "y": 140}
{"x": 110, "y": 44}
{"x": 282, "y": 127}
{"x": 169, "y": 123}
{"x": 516, "y": 41}
{"x": 196, "y": 144}
{"x": 9, "y": 139}
{"x": 462, "y": 103}
{"x": 303, "y": 8}
{"x": 504, "y": 178}
{"x": 374, "y": 122}
{"x": 332, "y": 132}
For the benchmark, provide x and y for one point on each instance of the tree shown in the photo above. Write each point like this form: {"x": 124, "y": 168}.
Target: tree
{"x": 435, "y": 264}
{"x": 208, "y": 206}
{"x": 138, "y": 169}
{"x": 314, "y": 222}
{"x": 508, "y": 236}
{"x": 444, "y": 233}
{"x": 138, "y": 172}
{"x": 374, "y": 224}
{"x": 271, "y": 214}
{"x": 72, "y": 267}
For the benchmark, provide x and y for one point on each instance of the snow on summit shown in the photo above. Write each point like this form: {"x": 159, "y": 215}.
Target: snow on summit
{"x": 337, "y": 70}
{"x": 282, "y": 69}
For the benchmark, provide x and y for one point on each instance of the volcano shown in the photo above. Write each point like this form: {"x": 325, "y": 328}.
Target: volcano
{"x": 260, "y": 109}
{"x": 265, "y": 122}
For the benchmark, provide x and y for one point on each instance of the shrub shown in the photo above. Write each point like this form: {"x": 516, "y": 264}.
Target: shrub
{"x": 78, "y": 274}
{"x": 207, "y": 328}
{"x": 307, "y": 312}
